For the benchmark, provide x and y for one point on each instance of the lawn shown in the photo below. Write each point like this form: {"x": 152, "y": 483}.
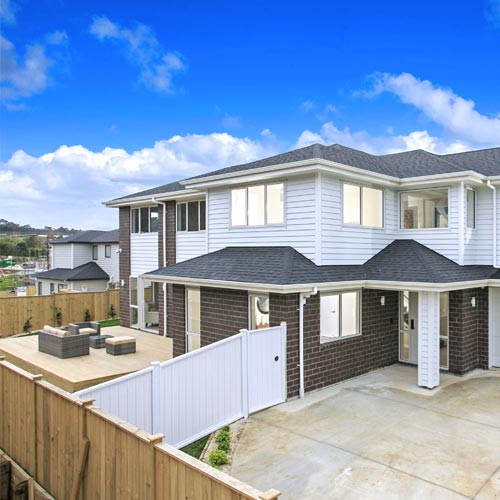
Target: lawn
{"x": 109, "y": 322}
{"x": 8, "y": 282}
{"x": 195, "y": 449}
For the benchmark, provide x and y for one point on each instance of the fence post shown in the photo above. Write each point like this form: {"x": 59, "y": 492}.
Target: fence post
{"x": 244, "y": 372}
{"x": 155, "y": 397}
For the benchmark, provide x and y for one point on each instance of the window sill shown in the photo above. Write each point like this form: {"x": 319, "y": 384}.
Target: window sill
{"x": 360, "y": 226}
{"x": 260, "y": 226}
{"x": 338, "y": 339}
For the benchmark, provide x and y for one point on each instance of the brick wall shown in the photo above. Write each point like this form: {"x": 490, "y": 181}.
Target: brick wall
{"x": 171, "y": 233}
{"x": 328, "y": 363}
{"x": 223, "y": 313}
{"x": 124, "y": 242}
{"x": 468, "y": 330}
{"x": 176, "y": 318}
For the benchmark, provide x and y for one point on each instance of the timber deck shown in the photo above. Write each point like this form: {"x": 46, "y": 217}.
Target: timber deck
{"x": 74, "y": 374}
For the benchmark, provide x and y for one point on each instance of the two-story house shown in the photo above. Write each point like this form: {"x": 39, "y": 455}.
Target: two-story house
{"x": 370, "y": 260}
{"x": 85, "y": 262}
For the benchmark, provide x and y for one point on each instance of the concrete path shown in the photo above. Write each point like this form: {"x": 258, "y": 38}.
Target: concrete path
{"x": 379, "y": 436}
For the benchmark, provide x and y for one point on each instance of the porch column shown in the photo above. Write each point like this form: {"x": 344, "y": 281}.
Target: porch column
{"x": 428, "y": 339}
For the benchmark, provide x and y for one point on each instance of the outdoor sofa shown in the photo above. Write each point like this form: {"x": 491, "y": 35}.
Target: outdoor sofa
{"x": 61, "y": 343}
{"x": 89, "y": 327}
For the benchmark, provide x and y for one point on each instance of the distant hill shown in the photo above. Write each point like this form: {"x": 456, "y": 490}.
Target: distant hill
{"x": 8, "y": 228}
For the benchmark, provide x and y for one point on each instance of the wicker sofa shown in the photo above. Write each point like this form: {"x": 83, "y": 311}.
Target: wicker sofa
{"x": 61, "y": 343}
{"x": 89, "y": 327}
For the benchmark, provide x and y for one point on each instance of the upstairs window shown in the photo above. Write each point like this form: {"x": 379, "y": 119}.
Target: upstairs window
{"x": 94, "y": 252}
{"x": 424, "y": 209}
{"x": 144, "y": 220}
{"x": 107, "y": 251}
{"x": 363, "y": 206}
{"x": 260, "y": 205}
{"x": 471, "y": 209}
{"x": 191, "y": 216}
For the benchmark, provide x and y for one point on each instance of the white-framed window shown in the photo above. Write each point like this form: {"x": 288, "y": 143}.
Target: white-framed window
{"x": 144, "y": 220}
{"x": 260, "y": 205}
{"x": 363, "y": 206}
{"x": 193, "y": 319}
{"x": 107, "y": 251}
{"x": 471, "y": 208}
{"x": 259, "y": 311}
{"x": 444, "y": 321}
{"x": 95, "y": 252}
{"x": 339, "y": 315}
{"x": 425, "y": 209}
{"x": 134, "y": 305}
{"x": 191, "y": 216}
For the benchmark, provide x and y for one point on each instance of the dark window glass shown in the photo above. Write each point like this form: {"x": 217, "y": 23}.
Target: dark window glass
{"x": 135, "y": 220}
{"x": 203, "y": 215}
{"x": 94, "y": 252}
{"x": 153, "y": 218}
{"x": 145, "y": 220}
{"x": 193, "y": 223}
{"x": 181, "y": 217}
{"x": 107, "y": 251}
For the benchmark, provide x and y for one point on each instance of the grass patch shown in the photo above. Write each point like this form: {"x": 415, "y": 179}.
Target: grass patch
{"x": 9, "y": 282}
{"x": 109, "y": 322}
{"x": 195, "y": 449}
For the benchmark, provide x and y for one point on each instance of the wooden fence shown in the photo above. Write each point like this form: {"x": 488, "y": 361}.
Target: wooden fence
{"x": 42, "y": 310}
{"x": 30, "y": 291}
{"x": 77, "y": 451}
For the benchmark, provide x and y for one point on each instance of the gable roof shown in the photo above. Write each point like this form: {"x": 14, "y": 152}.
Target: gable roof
{"x": 400, "y": 261}
{"x": 416, "y": 163}
{"x": 92, "y": 236}
{"x": 88, "y": 272}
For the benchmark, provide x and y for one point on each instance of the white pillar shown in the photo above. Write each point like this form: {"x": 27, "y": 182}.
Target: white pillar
{"x": 428, "y": 339}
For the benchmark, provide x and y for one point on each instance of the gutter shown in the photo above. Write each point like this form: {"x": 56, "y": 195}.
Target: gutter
{"x": 164, "y": 246}
{"x": 493, "y": 188}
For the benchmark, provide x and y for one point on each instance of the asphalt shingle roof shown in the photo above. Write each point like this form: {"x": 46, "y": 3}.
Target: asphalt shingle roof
{"x": 402, "y": 260}
{"x": 89, "y": 271}
{"x": 90, "y": 237}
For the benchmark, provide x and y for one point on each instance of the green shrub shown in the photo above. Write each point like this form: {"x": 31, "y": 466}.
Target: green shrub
{"x": 58, "y": 317}
{"x": 87, "y": 316}
{"x": 225, "y": 428}
{"x": 112, "y": 312}
{"x": 27, "y": 325}
{"x": 223, "y": 439}
{"x": 217, "y": 458}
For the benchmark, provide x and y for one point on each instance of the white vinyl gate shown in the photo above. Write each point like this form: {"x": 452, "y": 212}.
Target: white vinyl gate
{"x": 192, "y": 395}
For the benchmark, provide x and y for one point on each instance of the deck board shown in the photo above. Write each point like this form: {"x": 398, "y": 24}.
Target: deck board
{"x": 74, "y": 374}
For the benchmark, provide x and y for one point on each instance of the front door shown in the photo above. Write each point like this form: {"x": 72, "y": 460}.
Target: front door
{"x": 408, "y": 327}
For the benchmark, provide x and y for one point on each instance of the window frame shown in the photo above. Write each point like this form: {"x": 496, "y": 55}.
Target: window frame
{"x": 133, "y": 306}
{"x": 360, "y": 224}
{"x": 95, "y": 252}
{"x": 474, "y": 224}
{"x": 401, "y": 214}
{"x": 184, "y": 205}
{"x": 107, "y": 251}
{"x": 189, "y": 334}
{"x": 137, "y": 210}
{"x": 252, "y": 296}
{"x": 266, "y": 224}
{"x": 359, "y": 304}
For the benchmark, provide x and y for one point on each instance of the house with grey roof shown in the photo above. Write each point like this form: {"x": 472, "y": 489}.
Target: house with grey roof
{"x": 369, "y": 259}
{"x": 84, "y": 262}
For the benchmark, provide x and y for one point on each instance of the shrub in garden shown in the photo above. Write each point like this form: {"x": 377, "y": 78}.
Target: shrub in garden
{"x": 217, "y": 458}
{"x": 87, "y": 316}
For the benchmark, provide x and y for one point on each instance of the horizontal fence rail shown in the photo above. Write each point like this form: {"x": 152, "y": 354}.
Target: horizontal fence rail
{"x": 17, "y": 312}
{"x": 78, "y": 451}
{"x": 190, "y": 396}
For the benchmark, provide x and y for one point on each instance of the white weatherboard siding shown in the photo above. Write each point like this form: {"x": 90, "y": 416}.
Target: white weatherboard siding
{"x": 61, "y": 256}
{"x": 428, "y": 339}
{"x": 82, "y": 253}
{"x": 110, "y": 265}
{"x": 89, "y": 285}
{"x": 298, "y": 230}
{"x": 478, "y": 243}
{"x": 143, "y": 253}
{"x": 348, "y": 244}
{"x": 190, "y": 244}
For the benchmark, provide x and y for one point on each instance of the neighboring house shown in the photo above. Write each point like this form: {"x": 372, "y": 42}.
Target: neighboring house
{"x": 370, "y": 260}
{"x": 85, "y": 262}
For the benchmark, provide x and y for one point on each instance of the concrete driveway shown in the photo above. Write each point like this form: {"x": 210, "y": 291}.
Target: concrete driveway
{"x": 379, "y": 436}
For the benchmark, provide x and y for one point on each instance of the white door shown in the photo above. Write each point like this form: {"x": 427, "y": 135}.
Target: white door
{"x": 266, "y": 368}
{"x": 494, "y": 327}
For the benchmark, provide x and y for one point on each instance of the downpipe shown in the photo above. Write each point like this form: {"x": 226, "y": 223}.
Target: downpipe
{"x": 493, "y": 188}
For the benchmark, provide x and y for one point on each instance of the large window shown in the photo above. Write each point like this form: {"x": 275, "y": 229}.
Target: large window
{"x": 259, "y": 312}
{"x": 145, "y": 220}
{"x": 424, "y": 209}
{"x": 363, "y": 206}
{"x": 471, "y": 208}
{"x": 191, "y": 216}
{"x": 339, "y": 315}
{"x": 258, "y": 205}
{"x": 193, "y": 319}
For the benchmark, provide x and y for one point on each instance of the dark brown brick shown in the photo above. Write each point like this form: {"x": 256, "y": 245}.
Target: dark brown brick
{"x": 124, "y": 241}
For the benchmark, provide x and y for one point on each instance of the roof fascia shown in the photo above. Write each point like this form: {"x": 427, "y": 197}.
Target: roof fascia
{"x": 146, "y": 200}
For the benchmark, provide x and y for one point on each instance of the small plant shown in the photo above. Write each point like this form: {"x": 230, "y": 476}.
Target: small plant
{"x": 59, "y": 317}
{"x": 27, "y": 325}
{"x": 217, "y": 458}
{"x": 112, "y": 312}
{"x": 87, "y": 316}
{"x": 223, "y": 440}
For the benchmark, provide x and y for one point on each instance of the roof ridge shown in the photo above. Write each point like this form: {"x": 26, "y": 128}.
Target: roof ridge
{"x": 471, "y": 151}
{"x": 440, "y": 157}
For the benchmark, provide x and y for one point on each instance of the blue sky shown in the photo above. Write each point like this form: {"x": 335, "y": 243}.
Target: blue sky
{"x": 100, "y": 99}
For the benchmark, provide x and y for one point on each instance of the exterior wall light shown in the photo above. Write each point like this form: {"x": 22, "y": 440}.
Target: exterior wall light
{"x": 473, "y": 301}
{"x": 382, "y": 300}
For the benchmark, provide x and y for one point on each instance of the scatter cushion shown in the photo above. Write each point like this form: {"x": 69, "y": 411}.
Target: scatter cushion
{"x": 89, "y": 331}
{"x": 56, "y": 331}
{"x": 120, "y": 340}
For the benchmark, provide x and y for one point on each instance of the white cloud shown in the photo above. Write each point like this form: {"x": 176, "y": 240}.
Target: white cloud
{"x": 68, "y": 185}
{"x": 143, "y": 50}
{"x": 22, "y": 79}
{"x": 7, "y": 11}
{"x": 456, "y": 114}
